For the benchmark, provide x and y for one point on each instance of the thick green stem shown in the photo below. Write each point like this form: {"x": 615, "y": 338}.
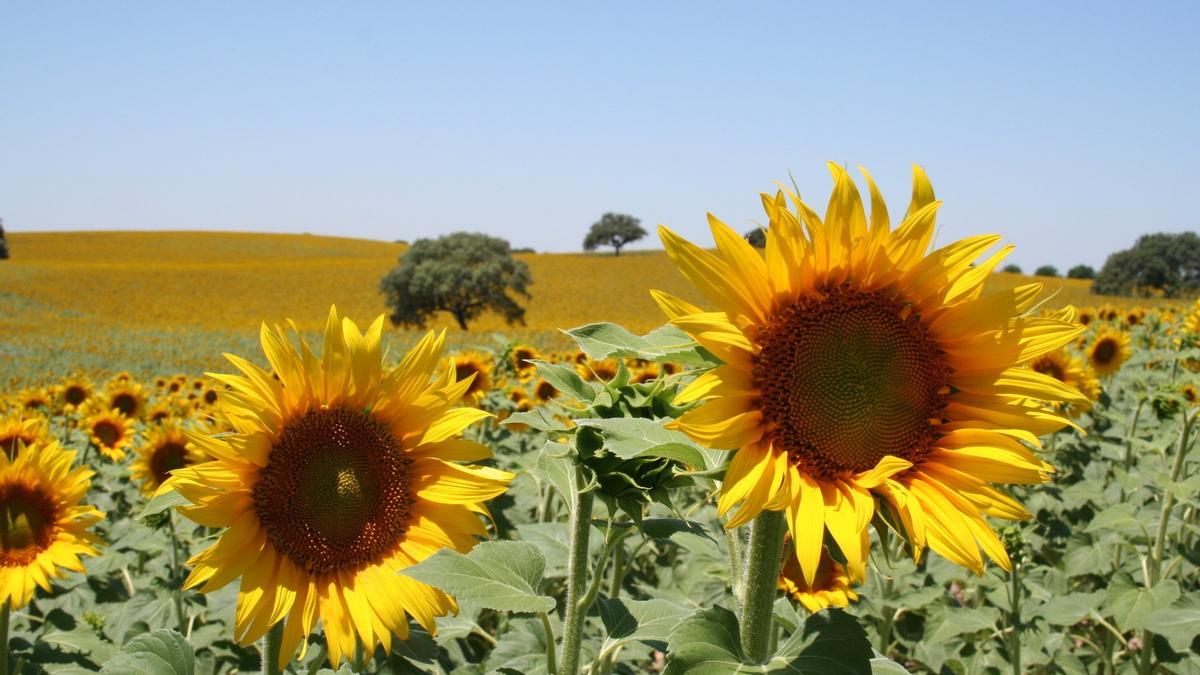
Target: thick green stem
{"x": 577, "y": 579}
{"x": 1015, "y": 618}
{"x": 270, "y": 650}
{"x": 176, "y": 575}
{"x": 762, "y": 581}
{"x": 4, "y": 617}
{"x": 618, "y": 571}
{"x": 737, "y": 559}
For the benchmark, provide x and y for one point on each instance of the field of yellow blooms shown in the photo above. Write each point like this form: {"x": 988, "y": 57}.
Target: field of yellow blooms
{"x": 847, "y": 454}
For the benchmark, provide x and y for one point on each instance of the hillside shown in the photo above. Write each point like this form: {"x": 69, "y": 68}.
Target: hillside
{"x": 124, "y": 298}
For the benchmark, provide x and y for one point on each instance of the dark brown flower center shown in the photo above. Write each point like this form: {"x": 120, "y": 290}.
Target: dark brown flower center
{"x": 107, "y": 432}
{"x": 126, "y": 403}
{"x": 167, "y": 457}
{"x": 847, "y": 377}
{"x": 1105, "y": 351}
{"x": 465, "y": 369}
{"x": 74, "y": 394}
{"x": 27, "y": 523}
{"x": 1048, "y": 365}
{"x": 334, "y": 494}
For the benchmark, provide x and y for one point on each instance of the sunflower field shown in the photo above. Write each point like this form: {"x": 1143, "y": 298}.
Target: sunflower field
{"x": 852, "y": 451}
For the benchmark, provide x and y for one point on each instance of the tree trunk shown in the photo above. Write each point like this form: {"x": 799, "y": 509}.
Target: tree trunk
{"x": 462, "y": 320}
{"x": 617, "y": 251}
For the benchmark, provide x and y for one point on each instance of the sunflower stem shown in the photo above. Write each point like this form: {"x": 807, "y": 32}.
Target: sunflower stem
{"x": 577, "y": 564}
{"x": 1014, "y": 656}
{"x": 4, "y": 616}
{"x": 737, "y": 559}
{"x": 176, "y": 580}
{"x": 761, "y": 582}
{"x": 551, "y": 657}
{"x": 270, "y": 650}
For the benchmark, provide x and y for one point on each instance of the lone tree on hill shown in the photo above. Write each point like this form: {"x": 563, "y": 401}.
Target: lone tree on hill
{"x": 1081, "y": 272}
{"x": 615, "y": 230}
{"x": 464, "y": 274}
{"x": 1046, "y": 271}
{"x": 1012, "y": 269}
{"x": 757, "y": 237}
{"x": 3, "y": 243}
{"x": 1167, "y": 264}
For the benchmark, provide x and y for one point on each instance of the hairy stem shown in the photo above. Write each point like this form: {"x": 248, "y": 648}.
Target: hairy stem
{"x": 577, "y": 573}
{"x": 762, "y": 580}
{"x": 270, "y": 650}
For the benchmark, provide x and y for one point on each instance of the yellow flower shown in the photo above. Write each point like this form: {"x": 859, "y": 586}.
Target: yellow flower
{"x": 476, "y": 367}
{"x": 521, "y": 357}
{"x": 110, "y": 431}
{"x": 543, "y": 390}
{"x": 166, "y": 450}
{"x": 1189, "y": 392}
{"x": 339, "y": 474}
{"x": 1109, "y": 351}
{"x": 126, "y": 396}
{"x": 15, "y": 430}
{"x": 1069, "y": 370}
{"x": 857, "y": 366}
{"x": 45, "y": 526}
{"x": 831, "y": 587}
{"x": 75, "y": 392}
{"x": 34, "y": 399}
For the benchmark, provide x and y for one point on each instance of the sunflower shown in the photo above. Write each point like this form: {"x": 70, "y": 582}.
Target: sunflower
{"x": 35, "y": 399}
{"x": 110, "y": 431}
{"x": 15, "y": 431}
{"x": 176, "y": 384}
{"x": 1190, "y": 393}
{"x": 45, "y": 526}
{"x": 521, "y": 358}
{"x": 160, "y": 413}
{"x": 1109, "y": 350}
{"x": 603, "y": 370}
{"x": 164, "y": 451}
{"x": 1086, "y": 316}
{"x": 830, "y": 588}
{"x": 338, "y": 476}
{"x": 1071, "y": 371}
{"x": 125, "y": 396}
{"x": 476, "y": 367}
{"x": 543, "y": 390}
{"x": 75, "y": 392}
{"x": 856, "y": 365}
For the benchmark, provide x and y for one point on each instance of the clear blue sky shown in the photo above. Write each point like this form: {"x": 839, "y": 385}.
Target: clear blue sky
{"x": 1069, "y": 127}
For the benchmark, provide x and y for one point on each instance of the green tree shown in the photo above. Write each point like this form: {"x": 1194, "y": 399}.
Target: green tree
{"x": 1081, "y": 272}
{"x": 1157, "y": 263}
{"x": 615, "y": 230}
{"x": 1046, "y": 271}
{"x": 1011, "y": 269}
{"x": 463, "y": 273}
{"x": 757, "y": 237}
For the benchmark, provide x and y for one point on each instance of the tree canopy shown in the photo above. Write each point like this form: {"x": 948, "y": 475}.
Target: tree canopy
{"x": 1011, "y": 269}
{"x": 615, "y": 230}
{"x": 1081, "y": 272}
{"x": 463, "y": 273}
{"x": 1046, "y": 271}
{"x": 1157, "y": 264}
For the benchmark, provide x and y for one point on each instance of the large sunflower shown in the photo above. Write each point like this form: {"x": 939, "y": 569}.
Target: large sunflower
{"x": 338, "y": 475}
{"x": 45, "y": 527}
{"x": 1109, "y": 351}
{"x": 856, "y": 364}
{"x": 166, "y": 450}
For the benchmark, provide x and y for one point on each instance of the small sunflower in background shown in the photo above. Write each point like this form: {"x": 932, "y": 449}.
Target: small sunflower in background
{"x": 476, "y": 367}
{"x": 166, "y": 450}
{"x": 339, "y": 474}
{"x": 46, "y": 527}
{"x": 36, "y": 399}
{"x": 160, "y": 413}
{"x": 75, "y": 391}
{"x": 1109, "y": 351}
{"x": 109, "y": 431}
{"x": 602, "y": 371}
{"x": 125, "y": 396}
{"x": 544, "y": 391}
{"x": 1071, "y": 371}
{"x": 1190, "y": 393}
{"x": 16, "y": 431}
{"x": 1087, "y": 315}
{"x": 176, "y": 384}
{"x": 858, "y": 365}
{"x": 830, "y": 587}
{"x": 520, "y": 360}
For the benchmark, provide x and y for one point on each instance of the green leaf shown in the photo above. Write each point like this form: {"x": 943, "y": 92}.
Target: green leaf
{"x": 630, "y": 437}
{"x": 959, "y": 620}
{"x": 665, "y": 344}
{"x": 882, "y": 665}
{"x": 539, "y": 418}
{"x": 1178, "y": 624}
{"x": 500, "y": 575}
{"x": 566, "y": 380}
{"x": 82, "y": 639}
{"x": 1130, "y": 603}
{"x": 162, "y": 502}
{"x": 665, "y": 528}
{"x": 643, "y": 620}
{"x": 162, "y": 652}
{"x": 707, "y": 642}
{"x": 559, "y": 470}
{"x": 1069, "y": 609}
{"x": 1119, "y": 518}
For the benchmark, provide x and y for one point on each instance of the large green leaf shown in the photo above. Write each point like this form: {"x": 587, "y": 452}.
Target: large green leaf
{"x": 644, "y": 620}
{"x": 1129, "y": 603}
{"x": 566, "y": 380}
{"x": 162, "y": 652}
{"x": 500, "y": 575}
{"x": 665, "y": 344}
{"x": 1179, "y": 624}
{"x": 630, "y": 437}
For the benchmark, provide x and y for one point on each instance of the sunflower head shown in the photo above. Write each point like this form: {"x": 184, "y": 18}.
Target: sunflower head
{"x": 110, "y": 431}
{"x": 476, "y": 368}
{"x": 33, "y": 400}
{"x": 44, "y": 528}
{"x": 521, "y": 357}
{"x": 859, "y": 365}
{"x": 831, "y": 587}
{"x": 1109, "y": 351}
{"x": 338, "y": 474}
{"x": 164, "y": 451}
{"x": 75, "y": 391}
{"x": 543, "y": 390}
{"x": 125, "y": 396}
{"x": 16, "y": 431}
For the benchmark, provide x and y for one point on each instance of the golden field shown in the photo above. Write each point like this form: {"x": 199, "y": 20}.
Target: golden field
{"x": 154, "y": 301}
